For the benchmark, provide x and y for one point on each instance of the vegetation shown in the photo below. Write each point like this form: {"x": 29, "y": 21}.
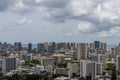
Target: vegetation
{"x": 103, "y": 74}
{"x": 32, "y": 63}
{"x": 114, "y": 75}
{"x": 82, "y": 78}
{"x": 110, "y": 66}
{"x": 27, "y": 77}
{"x": 89, "y": 77}
{"x": 75, "y": 75}
{"x": 35, "y": 61}
{"x": 62, "y": 65}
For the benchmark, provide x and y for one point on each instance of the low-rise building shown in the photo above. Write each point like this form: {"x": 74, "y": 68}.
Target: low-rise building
{"x": 62, "y": 71}
{"x": 63, "y": 78}
{"x": 38, "y": 69}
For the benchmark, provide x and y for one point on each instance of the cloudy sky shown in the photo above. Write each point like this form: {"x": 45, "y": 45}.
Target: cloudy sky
{"x": 60, "y": 20}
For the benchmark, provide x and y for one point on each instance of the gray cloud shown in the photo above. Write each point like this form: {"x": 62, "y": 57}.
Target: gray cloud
{"x": 47, "y": 3}
{"x": 102, "y": 14}
{"x": 5, "y": 4}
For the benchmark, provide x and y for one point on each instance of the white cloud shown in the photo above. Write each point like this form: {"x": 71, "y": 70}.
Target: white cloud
{"x": 80, "y": 7}
{"x": 108, "y": 10}
{"x": 24, "y": 21}
{"x": 21, "y": 5}
{"x": 72, "y": 34}
{"x": 113, "y": 32}
{"x": 38, "y": 1}
{"x": 94, "y": 16}
{"x": 85, "y": 27}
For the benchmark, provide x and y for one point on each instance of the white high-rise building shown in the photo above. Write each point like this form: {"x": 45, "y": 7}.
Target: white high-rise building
{"x": 82, "y": 51}
{"x": 117, "y": 50}
{"x": 100, "y": 68}
{"x": 8, "y": 64}
{"x": 101, "y": 58}
{"x": 87, "y": 68}
{"x": 118, "y": 63}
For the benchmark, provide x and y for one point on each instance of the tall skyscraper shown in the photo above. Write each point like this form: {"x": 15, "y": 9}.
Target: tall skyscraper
{"x": 61, "y": 46}
{"x": 96, "y": 44}
{"x": 103, "y": 46}
{"x": 46, "y": 46}
{"x": 53, "y": 47}
{"x": 40, "y": 48}
{"x": 100, "y": 69}
{"x": 101, "y": 62}
{"x": 29, "y": 47}
{"x": 87, "y": 68}
{"x": 18, "y": 46}
{"x": 117, "y": 50}
{"x": 82, "y": 51}
{"x": 8, "y": 64}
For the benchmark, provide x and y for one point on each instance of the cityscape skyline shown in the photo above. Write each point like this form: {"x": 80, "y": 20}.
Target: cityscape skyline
{"x": 59, "y": 39}
{"x": 59, "y": 21}
{"x": 34, "y": 45}
{"x": 70, "y": 60}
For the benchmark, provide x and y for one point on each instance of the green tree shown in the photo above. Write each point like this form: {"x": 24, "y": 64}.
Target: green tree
{"x": 89, "y": 77}
{"x": 103, "y": 74}
{"x": 81, "y": 78}
{"x": 114, "y": 75}
{"x": 62, "y": 65}
{"x": 110, "y": 66}
{"x": 35, "y": 61}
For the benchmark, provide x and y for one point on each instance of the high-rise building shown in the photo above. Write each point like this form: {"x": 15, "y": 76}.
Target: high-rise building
{"x": 82, "y": 51}
{"x": 61, "y": 46}
{"x": 118, "y": 63}
{"x": 101, "y": 65}
{"x": 96, "y": 44}
{"x": 103, "y": 46}
{"x": 70, "y": 46}
{"x": 100, "y": 69}
{"x": 52, "y": 47}
{"x": 18, "y": 46}
{"x": 29, "y": 47}
{"x": 40, "y": 48}
{"x": 48, "y": 61}
{"x": 117, "y": 50}
{"x": 27, "y": 57}
{"x": 87, "y": 68}
{"x": 101, "y": 58}
{"x": 8, "y": 64}
{"x": 46, "y": 46}
{"x": 49, "y": 49}
{"x": 91, "y": 45}
{"x": 99, "y": 45}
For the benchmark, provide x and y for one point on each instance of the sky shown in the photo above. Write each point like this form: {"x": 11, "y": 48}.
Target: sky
{"x": 60, "y": 20}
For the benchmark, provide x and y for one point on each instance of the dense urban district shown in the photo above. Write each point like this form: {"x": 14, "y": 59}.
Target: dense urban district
{"x": 59, "y": 61}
